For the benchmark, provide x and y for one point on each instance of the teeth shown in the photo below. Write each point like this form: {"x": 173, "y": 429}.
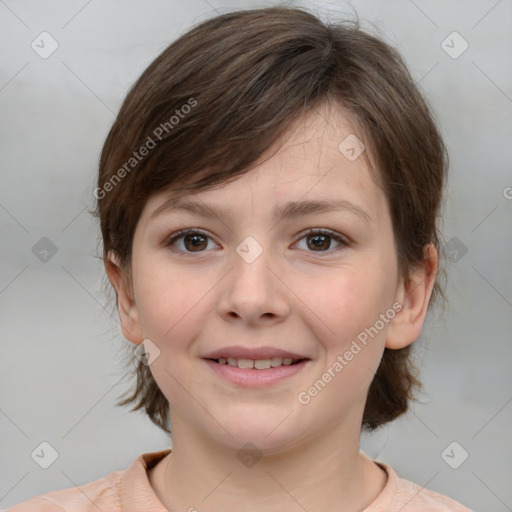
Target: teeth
{"x": 262, "y": 364}
{"x": 245, "y": 363}
{"x": 276, "y": 361}
{"x": 259, "y": 364}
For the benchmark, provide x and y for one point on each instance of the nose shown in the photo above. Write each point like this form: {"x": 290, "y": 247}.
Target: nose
{"x": 254, "y": 293}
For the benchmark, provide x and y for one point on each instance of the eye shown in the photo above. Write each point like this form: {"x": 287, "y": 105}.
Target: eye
{"x": 195, "y": 240}
{"x": 320, "y": 240}
{"x": 191, "y": 240}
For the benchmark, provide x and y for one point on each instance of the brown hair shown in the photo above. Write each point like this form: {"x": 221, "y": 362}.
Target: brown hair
{"x": 221, "y": 95}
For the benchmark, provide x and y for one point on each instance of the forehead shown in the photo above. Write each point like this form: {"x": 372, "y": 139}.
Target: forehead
{"x": 320, "y": 157}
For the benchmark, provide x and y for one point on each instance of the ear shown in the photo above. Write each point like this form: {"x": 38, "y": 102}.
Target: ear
{"x": 414, "y": 296}
{"x": 128, "y": 313}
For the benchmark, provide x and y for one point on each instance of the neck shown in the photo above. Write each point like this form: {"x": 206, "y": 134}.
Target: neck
{"x": 320, "y": 474}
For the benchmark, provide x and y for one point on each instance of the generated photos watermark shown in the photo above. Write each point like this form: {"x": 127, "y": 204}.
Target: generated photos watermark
{"x": 150, "y": 143}
{"x": 305, "y": 397}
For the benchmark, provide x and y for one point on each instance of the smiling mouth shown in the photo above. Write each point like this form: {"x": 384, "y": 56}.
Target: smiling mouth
{"x": 257, "y": 364}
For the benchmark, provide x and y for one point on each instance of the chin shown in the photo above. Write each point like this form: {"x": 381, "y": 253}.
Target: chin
{"x": 261, "y": 427}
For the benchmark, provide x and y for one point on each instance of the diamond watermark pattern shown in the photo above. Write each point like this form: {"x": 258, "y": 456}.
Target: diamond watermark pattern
{"x": 147, "y": 352}
{"x": 249, "y": 455}
{"x": 249, "y": 250}
{"x": 44, "y": 45}
{"x": 351, "y": 147}
{"x": 44, "y": 249}
{"x": 455, "y": 250}
{"x": 454, "y": 455}
{"x": 44, "y": 455}
{"x": 454, "y": 45}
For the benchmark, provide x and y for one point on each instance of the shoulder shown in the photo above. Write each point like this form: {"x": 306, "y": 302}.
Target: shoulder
{"x": 102, "y": 494}
{"x": 417, "y": 498}
{"x": 37, "y": 504}
{"x": 405, "y": 496}
{"x": 108, "y": 494}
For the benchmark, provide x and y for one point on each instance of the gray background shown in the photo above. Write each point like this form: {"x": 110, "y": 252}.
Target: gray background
{"x": 60, "y": 348}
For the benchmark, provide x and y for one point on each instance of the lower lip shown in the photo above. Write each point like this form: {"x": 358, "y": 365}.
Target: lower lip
{"x": 255, "y": 378}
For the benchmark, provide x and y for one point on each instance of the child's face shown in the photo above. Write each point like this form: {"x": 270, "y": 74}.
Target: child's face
{"x": 308, "y": 295}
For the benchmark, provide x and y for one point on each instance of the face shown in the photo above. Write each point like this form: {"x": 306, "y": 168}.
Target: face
{"x": 267, "y": 272}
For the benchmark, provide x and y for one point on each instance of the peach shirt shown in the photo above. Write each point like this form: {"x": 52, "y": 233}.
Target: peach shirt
{"x": 129, "y": 491}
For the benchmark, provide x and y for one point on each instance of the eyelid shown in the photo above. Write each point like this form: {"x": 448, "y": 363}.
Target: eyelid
{"x": 325, "y": 231}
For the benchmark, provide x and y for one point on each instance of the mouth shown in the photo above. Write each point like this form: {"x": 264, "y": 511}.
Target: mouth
{"x": 255, "y": 367}
{"x": 256, "y": 373}
{"x": 257, "y": 364}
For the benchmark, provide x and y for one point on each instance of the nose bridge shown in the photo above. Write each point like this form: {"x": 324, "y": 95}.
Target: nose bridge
{"x": 253, "y": 291}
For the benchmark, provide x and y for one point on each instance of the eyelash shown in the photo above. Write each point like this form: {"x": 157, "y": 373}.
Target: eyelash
{"x": 343, "y": 241}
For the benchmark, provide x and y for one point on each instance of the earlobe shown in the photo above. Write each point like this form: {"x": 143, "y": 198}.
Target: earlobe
{"x": 414, "y": 297}
{"x": 128, "y": 313}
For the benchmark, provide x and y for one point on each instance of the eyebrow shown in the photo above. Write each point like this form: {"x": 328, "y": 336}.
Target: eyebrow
{"x": 289, "y": 210}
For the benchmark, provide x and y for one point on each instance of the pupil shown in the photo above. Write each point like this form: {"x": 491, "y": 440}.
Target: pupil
{"x": 321, "y": 242}
{"x": 197, "y": 241}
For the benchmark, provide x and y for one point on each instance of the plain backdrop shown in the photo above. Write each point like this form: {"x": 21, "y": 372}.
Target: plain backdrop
{"x": 60, "y": 369}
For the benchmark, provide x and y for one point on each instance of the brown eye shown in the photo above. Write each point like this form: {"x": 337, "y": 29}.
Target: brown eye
{"x": 188, "y": 241}
{"x": 321, "y": 240}
{"x": 195, "y": 242}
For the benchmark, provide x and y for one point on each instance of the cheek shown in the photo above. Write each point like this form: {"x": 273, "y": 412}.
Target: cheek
{"x": 166, "y": 298}
{"x": 352, "y": 312}
{"x": 353, "y": 336}
{"x": 171, "y": 307}
{"x": 347, "y": 300}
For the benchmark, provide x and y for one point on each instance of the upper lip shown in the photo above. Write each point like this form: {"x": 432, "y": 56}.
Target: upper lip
{"x": 253, "y": 353}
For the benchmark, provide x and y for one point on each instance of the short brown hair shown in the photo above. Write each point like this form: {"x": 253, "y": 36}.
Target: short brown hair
{"x": 244, "y": 77}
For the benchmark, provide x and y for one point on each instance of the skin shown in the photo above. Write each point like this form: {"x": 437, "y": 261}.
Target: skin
{"x": 311, "y": 302}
